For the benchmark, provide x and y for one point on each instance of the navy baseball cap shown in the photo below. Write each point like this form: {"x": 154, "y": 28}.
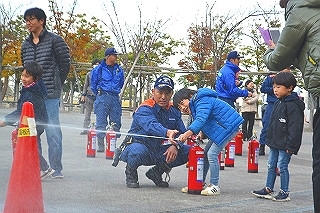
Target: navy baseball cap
{"x": 234, "y": 54}
{"x": 111, "y": 51}
{"x": 164, "y": 81}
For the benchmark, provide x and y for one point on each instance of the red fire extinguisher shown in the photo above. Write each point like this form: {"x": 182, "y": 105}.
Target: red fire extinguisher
{"x": 230, "y": 149}
{"x": 91, "y": 142}
{"x": 111, "y": 142}
{"x": 195, "y": 169}
{"x": 239, "y": 141}
{"x": 221, "y": 157}
{"x": 253, "y": 153}
{"x": 14, "y": 135}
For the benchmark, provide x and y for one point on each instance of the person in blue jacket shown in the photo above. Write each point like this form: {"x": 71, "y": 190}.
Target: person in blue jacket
{"x": 216, "y": 119}
{"x": 107, "y": 80}
{"x": 34, "y": 91}
{"x": 227, "y": 83}
{"x": 267, "y": 88}
{"x": 156, "y": 123}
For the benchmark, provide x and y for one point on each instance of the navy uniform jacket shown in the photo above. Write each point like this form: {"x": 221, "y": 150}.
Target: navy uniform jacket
{"x": 151, "y": 119}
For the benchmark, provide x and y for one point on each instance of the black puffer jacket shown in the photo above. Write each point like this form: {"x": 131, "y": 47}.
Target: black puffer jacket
{"x": 35, "y": 94}
{"x": 53, "y": 54}
{"x": 286, "y": 124}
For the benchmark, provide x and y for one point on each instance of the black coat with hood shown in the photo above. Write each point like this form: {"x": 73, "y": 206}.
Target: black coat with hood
{"x": 286, "y": 124}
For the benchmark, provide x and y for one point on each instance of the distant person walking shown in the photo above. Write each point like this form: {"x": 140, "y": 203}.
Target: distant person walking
{"x": 88, "y": 97}
{"x": 249, "y": 110}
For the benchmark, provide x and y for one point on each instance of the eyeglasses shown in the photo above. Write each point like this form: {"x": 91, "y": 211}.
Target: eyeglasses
{"x": 29, "y": 19}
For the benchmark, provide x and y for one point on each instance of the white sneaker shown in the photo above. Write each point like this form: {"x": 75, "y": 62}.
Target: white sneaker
{"x": 47, "y": 173}
{"x": 184, "y": 189}
{"x": 211, "y": 190}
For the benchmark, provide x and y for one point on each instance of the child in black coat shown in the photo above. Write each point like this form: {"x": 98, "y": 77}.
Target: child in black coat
{"x": 34, "y": 91}
{"x": 283, "y": 136}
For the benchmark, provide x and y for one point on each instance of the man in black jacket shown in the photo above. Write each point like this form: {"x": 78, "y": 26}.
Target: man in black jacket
{"x": 51, "y": 52}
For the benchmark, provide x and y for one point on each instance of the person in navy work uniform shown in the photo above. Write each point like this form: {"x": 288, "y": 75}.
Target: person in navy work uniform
{"x": 267, "y": 88}
{"x": 107, "y": 79}
{"x": 227, "y": 83}
{"x": 160, "y": 120}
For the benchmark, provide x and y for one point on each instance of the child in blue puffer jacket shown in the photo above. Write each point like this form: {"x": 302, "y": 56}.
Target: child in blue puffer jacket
{"x": 216, "y": 119}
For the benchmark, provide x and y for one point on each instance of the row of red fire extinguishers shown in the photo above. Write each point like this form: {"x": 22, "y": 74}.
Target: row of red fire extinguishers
{"x": 196, "y": 154}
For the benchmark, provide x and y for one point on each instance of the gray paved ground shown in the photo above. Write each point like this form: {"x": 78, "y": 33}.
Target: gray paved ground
{"x": 93, "y": 185}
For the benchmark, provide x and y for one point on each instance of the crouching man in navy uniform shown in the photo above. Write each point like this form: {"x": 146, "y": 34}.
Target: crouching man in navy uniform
{"x": 157, "y": 119}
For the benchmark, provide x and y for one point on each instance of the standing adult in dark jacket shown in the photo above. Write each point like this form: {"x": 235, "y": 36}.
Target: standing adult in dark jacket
{"x": 226, "y": 83}
{"x": 51, "y": 52}
{"x": 107, "y": 79}
{"x": 299, "y": 45}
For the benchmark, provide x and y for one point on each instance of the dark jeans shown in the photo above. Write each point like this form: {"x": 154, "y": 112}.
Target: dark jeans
{"x": 316, "y": 161}
{"x": 247, "y": 125}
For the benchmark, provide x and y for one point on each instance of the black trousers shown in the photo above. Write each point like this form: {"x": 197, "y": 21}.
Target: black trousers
{"x": 316, "y": 161}
{"x": 247, "y": 125}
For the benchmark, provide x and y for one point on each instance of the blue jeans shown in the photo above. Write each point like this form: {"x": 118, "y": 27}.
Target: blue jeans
{"x": 278, "y": 158}
{"x": 54, "y": 134}
{"x": 211, "y": 153}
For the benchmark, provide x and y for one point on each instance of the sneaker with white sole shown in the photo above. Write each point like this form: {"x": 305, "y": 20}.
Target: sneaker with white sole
{"x": 282, "y": 196}
{"x": 266, "y": 193}
{"x": 47, "y": 173}
{"x": 211, "y": 190}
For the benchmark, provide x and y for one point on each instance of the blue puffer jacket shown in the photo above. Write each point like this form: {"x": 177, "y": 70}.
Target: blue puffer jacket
{"x": 104, "y": 78}
{"x": 217, "y": 119}
{"x": 225, "y": 84}
{"x": 52, "y": 53}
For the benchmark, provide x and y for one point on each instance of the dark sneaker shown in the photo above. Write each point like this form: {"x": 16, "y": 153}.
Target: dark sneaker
{"x": 47, "y": 173}
{"x": 263, "y": 193}
{"x": 57, "y": 175}
{"x": 282, "y": 196}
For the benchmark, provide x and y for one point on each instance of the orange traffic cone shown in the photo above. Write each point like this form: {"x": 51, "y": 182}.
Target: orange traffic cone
{"x": 24, "y": 189}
